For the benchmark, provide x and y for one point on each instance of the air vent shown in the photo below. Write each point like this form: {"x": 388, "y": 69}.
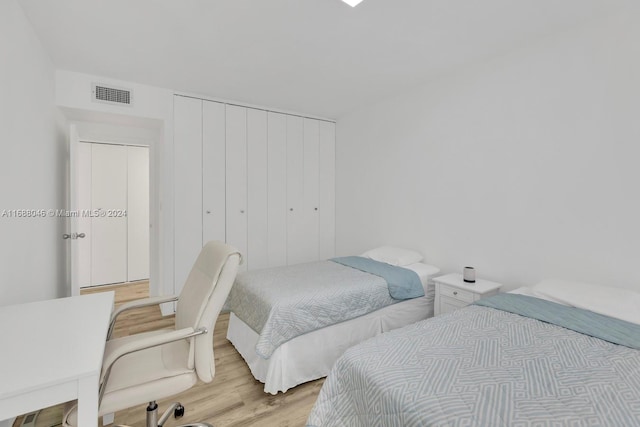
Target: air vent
{"x": 111, "y": 95}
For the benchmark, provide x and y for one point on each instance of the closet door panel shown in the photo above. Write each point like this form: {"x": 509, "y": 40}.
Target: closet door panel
{"x": 137, "y": 213}
{"x": 236, "y": 185}
{"x": 257, "y": 189}
{"x": 187, "y": 157}
{"x": 327, "y": 208}
{"x": 213, "y": 172}
{"x": 109, "y": 233}
{"x": 311, "y": 189}
{"x": 277, "y": 189}
{"x": 295, "y": 191}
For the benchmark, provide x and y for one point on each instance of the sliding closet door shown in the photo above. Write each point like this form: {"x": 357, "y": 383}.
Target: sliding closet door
{"x": 295, "y": 191}
{"x": 109, "y": 233}
{"x": 261, "y": 181}
{"x": 327, "y": 194}
{"x": 137, "y": 213}
{"x": 277, "y": 189}
{"x": 310, "y": 246}
{"x": 257, "y": 189}
{"x": 236, "y": 185}
{"x": 187, "y": 158}
{"x": 213, "y": 171}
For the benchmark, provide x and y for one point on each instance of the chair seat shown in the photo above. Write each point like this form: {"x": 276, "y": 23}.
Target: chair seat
{"x": 141, "y": 377}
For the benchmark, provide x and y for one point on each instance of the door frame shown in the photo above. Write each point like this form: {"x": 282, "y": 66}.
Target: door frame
{"x": 74, "y": 140}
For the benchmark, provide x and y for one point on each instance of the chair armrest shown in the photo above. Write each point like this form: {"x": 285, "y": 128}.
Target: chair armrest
{"x": 143, "y": 344}
{"x": 139, "y": 303}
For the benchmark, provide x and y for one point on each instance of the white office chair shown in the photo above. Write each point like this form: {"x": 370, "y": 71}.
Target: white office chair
{"x": 154, "y": 365}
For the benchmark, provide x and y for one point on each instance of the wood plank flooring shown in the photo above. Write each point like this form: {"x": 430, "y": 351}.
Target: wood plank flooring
{"x": 233, "y": 399}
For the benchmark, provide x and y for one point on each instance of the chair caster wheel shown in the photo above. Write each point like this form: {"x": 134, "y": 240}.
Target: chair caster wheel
{"x": 178, "y": 412}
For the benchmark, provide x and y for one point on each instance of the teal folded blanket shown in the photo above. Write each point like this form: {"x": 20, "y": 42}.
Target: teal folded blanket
{"x": 402, "y": 283}
{"x": 576, "y": 319}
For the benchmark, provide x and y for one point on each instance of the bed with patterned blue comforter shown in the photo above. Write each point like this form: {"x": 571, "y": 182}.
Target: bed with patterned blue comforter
{"x": 285, "y": 302}
{"x": 511, "y": 360}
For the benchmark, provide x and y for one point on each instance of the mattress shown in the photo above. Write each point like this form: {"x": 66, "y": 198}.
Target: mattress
{"x": 311, "y": 356}
{"x": 486, "y": 367}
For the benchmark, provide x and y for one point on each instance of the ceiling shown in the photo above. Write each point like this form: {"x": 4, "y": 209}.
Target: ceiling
{"x": 318, "y": 57}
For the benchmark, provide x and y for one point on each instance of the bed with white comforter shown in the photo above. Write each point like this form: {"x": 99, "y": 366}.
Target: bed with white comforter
{"x": 559, "y": 355}
{"x": 291, "y": 323}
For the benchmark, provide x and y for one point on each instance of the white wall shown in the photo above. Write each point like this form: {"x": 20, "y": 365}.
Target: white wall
{"x": 525, "y": 166}
{"x": 33, "y": 173}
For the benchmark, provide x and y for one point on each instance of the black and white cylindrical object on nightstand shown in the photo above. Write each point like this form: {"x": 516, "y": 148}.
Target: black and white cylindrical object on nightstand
{"x": 469, "y": 274}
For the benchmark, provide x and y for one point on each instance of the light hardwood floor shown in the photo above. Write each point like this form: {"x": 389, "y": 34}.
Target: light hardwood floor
{"x": 233, "y": 399}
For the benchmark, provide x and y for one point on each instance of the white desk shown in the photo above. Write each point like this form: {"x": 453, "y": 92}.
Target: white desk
{"x": 52, "y": 353}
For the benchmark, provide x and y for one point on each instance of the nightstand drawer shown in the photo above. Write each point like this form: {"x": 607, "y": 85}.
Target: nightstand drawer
{"x": 448, "y": 305}
{"x": 459, "y": 294}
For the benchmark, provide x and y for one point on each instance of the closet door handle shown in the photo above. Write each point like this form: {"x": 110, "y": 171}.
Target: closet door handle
{"x": 241, "y": 211}
{"x": 291, "y": 209}
{"x": 208, "y": 212}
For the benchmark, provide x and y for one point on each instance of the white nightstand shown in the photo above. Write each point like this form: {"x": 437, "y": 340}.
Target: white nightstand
{"x": 453, "y": 293}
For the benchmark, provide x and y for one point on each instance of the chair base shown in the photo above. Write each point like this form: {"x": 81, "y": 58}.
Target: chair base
{"x": 176, "y": 409}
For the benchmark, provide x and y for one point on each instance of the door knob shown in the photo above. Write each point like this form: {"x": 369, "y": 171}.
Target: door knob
{"x": 66, "y": 236}
{"x": 76, "y": 236}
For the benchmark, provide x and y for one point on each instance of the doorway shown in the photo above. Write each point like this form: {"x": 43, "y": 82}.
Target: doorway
{"x": 112, "y": 213}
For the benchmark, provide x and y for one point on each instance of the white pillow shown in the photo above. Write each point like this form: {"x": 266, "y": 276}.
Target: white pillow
{"x": 623, "y": 304}
{"x": 393, "y": 256}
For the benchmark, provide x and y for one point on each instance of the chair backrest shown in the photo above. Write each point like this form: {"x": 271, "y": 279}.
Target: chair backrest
{"x": 202, "y": 297}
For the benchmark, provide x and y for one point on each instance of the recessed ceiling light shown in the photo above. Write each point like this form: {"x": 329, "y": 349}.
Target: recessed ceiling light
{"x": 352, "y": 3}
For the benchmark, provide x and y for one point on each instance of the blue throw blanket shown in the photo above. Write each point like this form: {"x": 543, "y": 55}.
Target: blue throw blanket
{"x": 402, "y": 283}
{"x": 576, "y": 319}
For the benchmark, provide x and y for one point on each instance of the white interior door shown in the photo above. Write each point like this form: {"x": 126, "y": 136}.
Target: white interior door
{"x": 137, "y": 213}
{"x": 187, "y": 158}
{"x": 108, "y": 232}
{"x": 295, "y": 191}
{"x": 257, "y": 193}
{"x": 236, "y": 180}
{"x": 310, "y": 245}
{"x": 277, "y": 189}
{"x": 213, "y": 172}
{"x": 327, "y": 191}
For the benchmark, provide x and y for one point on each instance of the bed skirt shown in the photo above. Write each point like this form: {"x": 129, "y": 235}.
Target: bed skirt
{"x": 308, "y": 357}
